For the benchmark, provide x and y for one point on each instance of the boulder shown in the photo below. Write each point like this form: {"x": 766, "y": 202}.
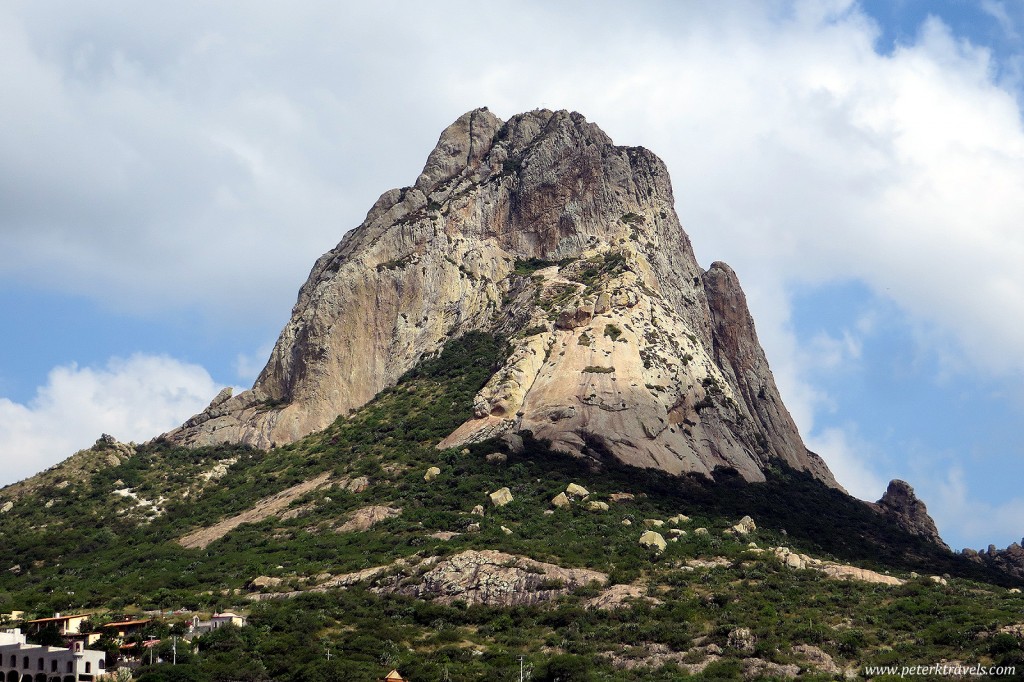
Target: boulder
{"x": 743, "y": 640}
{"x": 653, "y": 539}
{"x": 576, "y": 491}
{"x": 501, "y": 497}
{"x": 560, "y": 500}
{"x": 597, "y": 506}
{"x": 432, "y": 473}
{"x": 497, "y": 458}
{"x": 478, "y": 510}
{"x": 746, "y": 526}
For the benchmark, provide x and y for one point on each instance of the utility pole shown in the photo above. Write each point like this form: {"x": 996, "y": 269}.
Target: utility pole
{"x": 521, "y": 678}
{"x": 174, "y": 650}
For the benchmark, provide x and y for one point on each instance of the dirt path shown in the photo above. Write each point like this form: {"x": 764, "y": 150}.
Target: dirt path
{"x": 268, "y": 506}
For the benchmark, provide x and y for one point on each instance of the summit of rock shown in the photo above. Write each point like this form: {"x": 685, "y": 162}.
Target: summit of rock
{"x": 542, "y": 230}
{"x": 902, "y": 504}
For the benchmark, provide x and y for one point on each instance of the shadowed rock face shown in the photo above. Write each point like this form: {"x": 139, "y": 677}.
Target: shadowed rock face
{"x": 541, "y": 229}
{"x": 901, "y": 503}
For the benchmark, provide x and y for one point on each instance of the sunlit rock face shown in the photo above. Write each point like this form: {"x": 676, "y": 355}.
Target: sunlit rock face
{"x": 542, "y": 230}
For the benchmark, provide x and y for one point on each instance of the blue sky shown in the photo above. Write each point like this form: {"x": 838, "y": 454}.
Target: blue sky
{"x": 169, "y": 175}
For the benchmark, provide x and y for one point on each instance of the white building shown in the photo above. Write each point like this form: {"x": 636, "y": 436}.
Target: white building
{"x": 24, "y": 662}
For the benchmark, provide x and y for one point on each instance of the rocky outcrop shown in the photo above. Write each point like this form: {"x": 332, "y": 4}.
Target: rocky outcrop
{"x": 543, "y": 230}
{"x": 901, "y": 504}
{"x": 833, "y": 570}
{"x": 262, "y": 509}
{"x": 366, "y": 518}
{"x": 495, "y": 578}
{"x": 1009, "y": 560}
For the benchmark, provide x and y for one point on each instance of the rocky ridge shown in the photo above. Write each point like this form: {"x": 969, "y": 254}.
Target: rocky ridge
{"x": 542, "y": 230}
{"x": 902, "y": 505}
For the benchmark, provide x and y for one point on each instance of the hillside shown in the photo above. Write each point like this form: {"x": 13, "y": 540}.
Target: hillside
{"x": 86, "y": 545}
{"x": 511, "y": 425}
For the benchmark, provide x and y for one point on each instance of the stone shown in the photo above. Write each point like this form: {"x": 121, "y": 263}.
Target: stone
{"x": 433, "y": 260}
{"x": 939, "y": 580}
{"x": 473, "y": 528}
{"x": 478, "y": 510}
{"x": 595, "y": 505}
{"x": 818, "y": 659}
{"x": 506, "y": 530}
{"x": 549, "y": 512}
{"x": 743, "y": 640}
{"x": 746, "y": 526}
{"x": 621, "y": 497}
{"x": 263, "y": 582}
{"x": 560, "y": 500}
{"x": 653, "y": 523}
{"x": 679, "y": 519}
{"x": 574, "y": 490}
{"x": 619, "y": 596}
{"x": 367, "y": 517}
{"x": 7, "y": 506}
{"x": 677, "y": 532}
{"x": 653, "y": 539}
{"x": 760, "y": 669}
{"x": 495, "y": 578}
{"x": 1014, "y": 590}
{"x": 701, "y": 531}
{"x": 432, "y": 473}
{"x": 497, "y": 458}
{"x": 358, "y": 485}
{"x": 501, "y": 497}
{"x": 627, "y": 522}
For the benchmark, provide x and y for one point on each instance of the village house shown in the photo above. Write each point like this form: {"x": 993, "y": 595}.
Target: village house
{"x": 24, "y": 662}
{"x": 218, "y": 620}
{"x": 66, "y": 625}
{"x": 126, "y": 628}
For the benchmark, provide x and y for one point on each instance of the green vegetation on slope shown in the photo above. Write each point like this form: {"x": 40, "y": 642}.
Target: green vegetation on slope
{"x": 94, "y": 548}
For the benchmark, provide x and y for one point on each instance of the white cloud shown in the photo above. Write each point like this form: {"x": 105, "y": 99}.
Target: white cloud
{"x": 198, "y": 155}
{"x": 132, "y": 399}
{"x": 850, "y": 461}
{"x": 962, "y": 513}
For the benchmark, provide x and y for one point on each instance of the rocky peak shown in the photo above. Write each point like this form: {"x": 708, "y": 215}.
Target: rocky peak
{"x": 542, "y": 230}
{"x": 901, "y": 503}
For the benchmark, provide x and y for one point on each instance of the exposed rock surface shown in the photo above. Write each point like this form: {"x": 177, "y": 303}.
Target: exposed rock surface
{"x": 500, "y": 497}
{"x": 619, "y": 596}
{"x": 832, "y": 569}
{"x": 541, "y": 225}
{"x": 367, "y": 517}
{"x": 901, "y": 504}
{"x": 498, "y": 579}
{"x": 654, "y": 540}
{"x": 264, "y": 508}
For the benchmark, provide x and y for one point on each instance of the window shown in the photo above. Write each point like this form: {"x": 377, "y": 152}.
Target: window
{"x": 88, "y": 667}
{"x": 102, "y": 664}
{"x": 41, "y": 666}
{"x": 24, "y": 662}
{"x": 70, "y": 667}
{"x": 53, "y": 666}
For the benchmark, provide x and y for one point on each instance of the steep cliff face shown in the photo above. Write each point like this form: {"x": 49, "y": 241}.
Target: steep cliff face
{"x": 543, "y": 230}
